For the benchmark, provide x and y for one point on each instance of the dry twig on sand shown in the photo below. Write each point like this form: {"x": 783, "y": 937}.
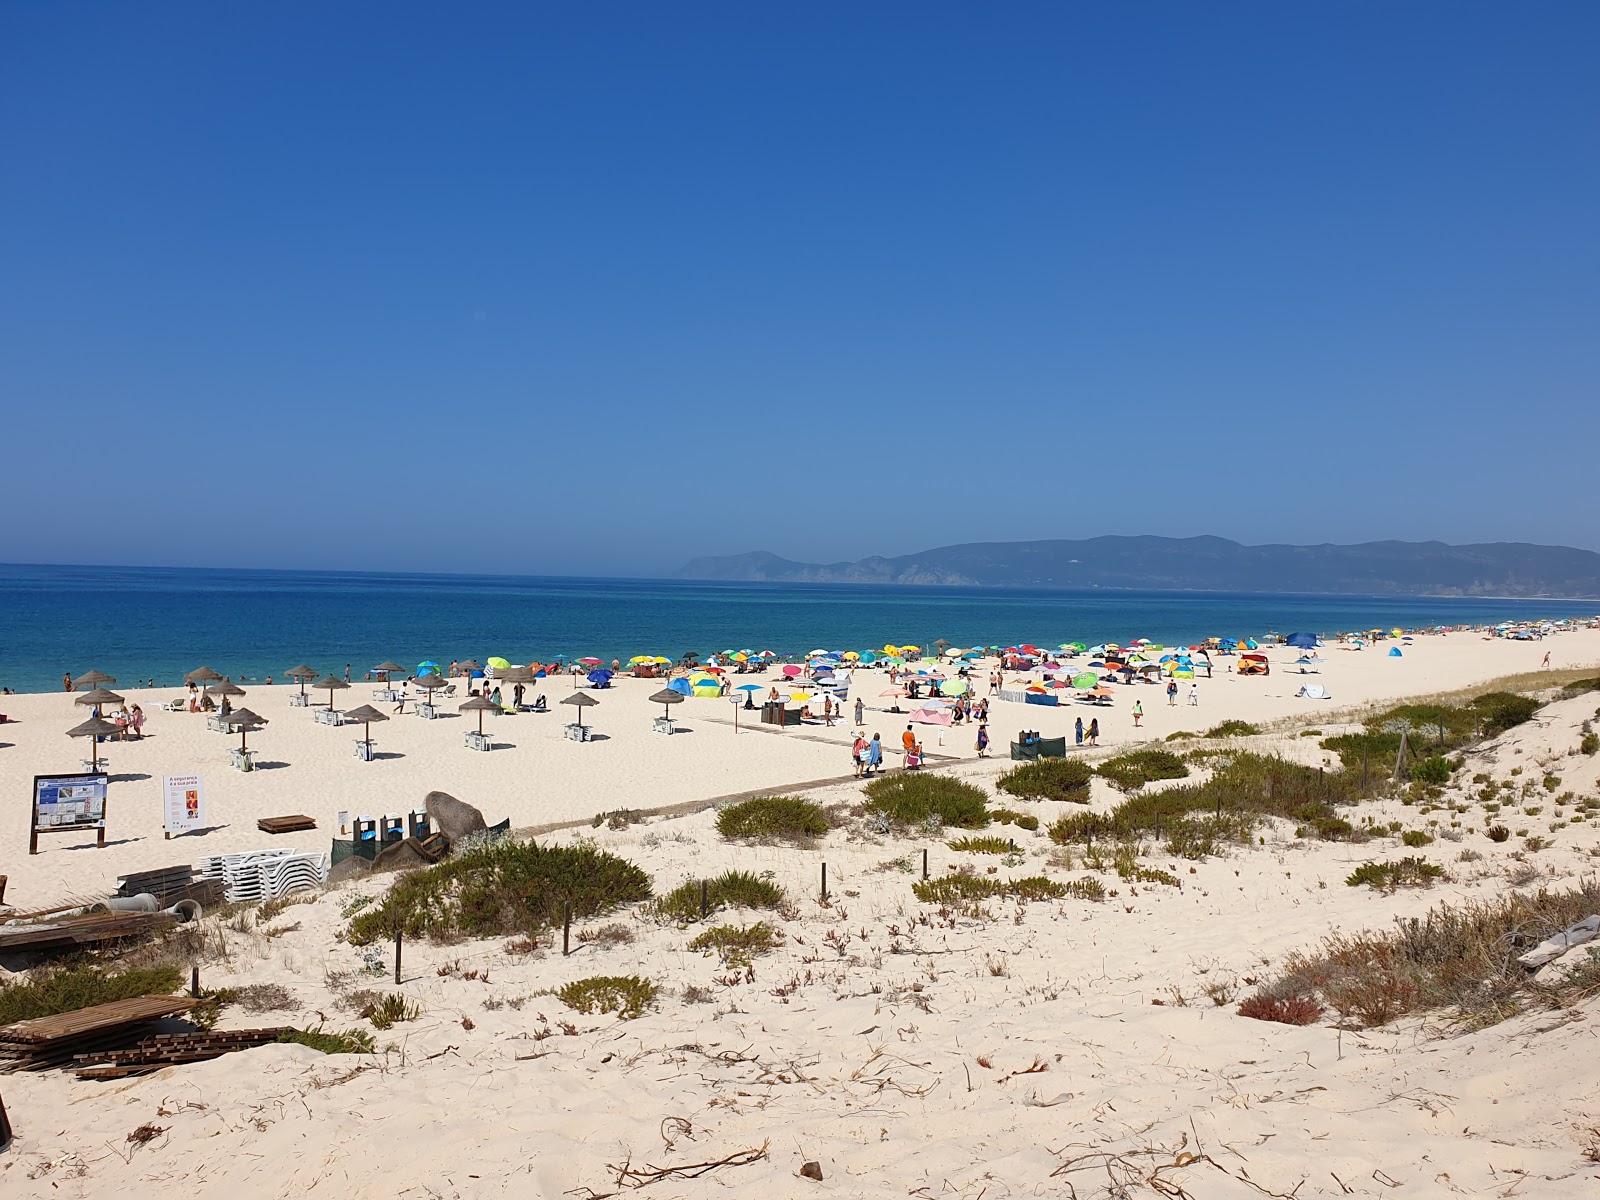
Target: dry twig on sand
{"x": 637, "y": 1177}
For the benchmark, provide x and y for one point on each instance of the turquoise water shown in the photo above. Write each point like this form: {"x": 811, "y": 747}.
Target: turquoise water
{"x": 139, "y": 623}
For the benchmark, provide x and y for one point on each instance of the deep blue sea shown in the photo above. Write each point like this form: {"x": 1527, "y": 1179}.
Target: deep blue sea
{"x": 138, "y": 623}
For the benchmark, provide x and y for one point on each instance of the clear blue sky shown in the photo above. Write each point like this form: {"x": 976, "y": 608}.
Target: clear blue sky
{"x": 679, "y": 279}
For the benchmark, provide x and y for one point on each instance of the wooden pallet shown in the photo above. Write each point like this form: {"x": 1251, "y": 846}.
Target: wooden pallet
{"x": 86, "y": 929}
{"x": 172, "y": 1049}
{"x": 294, "y": 823}
{"x": 45, "y": 1042}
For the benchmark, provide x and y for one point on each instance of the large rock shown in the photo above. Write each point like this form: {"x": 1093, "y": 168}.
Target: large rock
{"x": 456, "y": 819}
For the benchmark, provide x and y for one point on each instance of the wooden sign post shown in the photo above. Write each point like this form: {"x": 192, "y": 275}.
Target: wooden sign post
{"x": 63, "y": 803}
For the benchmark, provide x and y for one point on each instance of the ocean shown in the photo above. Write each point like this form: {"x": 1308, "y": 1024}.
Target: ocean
{"x": 139, "y": 623}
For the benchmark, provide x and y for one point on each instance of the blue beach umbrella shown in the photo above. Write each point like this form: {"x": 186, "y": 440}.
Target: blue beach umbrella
{"x": 1301, "y": 641}
{"x": 681, "y": 686}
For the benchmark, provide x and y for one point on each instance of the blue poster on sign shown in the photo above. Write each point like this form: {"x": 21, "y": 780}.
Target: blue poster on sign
{"x": 69, "y": 802}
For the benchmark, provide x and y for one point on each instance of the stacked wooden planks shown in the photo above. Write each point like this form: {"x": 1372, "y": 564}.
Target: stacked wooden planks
{"x": 57, "y": 1041}
{"x": 69, "y": 931}
{"x": 170, "y": 1049}
{"x": 293, "y": 823}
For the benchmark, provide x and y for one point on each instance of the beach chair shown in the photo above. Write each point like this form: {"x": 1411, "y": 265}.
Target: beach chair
{"x": 175, "y": 706}
{"x": 449, "y": 691}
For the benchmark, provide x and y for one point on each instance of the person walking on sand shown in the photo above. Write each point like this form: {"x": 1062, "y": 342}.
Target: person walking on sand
{"x": 1138, "y": 712}
{"x": 1194, "y": 695}
{"x": 874, "y": 754}
{"x": 347, "y": 672}
{"x": 66, "y": 680}
{"x": 983, "y": 741}
{"x": 1172, "y": 693}
{"x": 137, "y": 722}
{"x": 1546, "y": 661}
{"x": 1094, "y": 732}
{"x": 861, "y": 709}
{"x": 1077, "y": 730}
{"x": 858, "y": 753}
{"x": 908, "y": 740}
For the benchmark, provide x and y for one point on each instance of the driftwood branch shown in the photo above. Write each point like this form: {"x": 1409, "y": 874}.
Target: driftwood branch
{"x": 637, "y": 1177}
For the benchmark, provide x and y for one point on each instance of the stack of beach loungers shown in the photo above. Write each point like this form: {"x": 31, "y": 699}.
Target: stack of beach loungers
{"x": 265, "y": 874}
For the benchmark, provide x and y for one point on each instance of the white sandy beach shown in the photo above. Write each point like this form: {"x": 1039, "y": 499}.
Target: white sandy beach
{"x": 905, "y": 1051}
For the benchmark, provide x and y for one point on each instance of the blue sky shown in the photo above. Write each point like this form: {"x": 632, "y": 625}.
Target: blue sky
{"x": 825, "y": 279}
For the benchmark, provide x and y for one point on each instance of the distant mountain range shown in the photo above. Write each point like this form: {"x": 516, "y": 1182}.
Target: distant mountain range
{"x": 1209, "y": 564}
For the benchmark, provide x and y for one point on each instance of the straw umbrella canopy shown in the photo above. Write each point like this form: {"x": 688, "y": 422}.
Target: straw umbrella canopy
{"x": 580, "y": 701}
{"x": 93, "y": 678}
{"x": 479, "y": 705}
{"x": 333, "y": 683}
{"x": 202, "y": 675}
{"x": 94, "y": 729}
{"x": 97, "y": 697}
{"x": 514, "y": 675}
{"x": 302, "y": 673}
{"x": 226, "y": 688}
{"x": 666, "y": 697}
{"x": 469, "y": 664}
{"x": 384, "y": 668}
{"x": 366, "y": 714}
{"x": 246, "y": 721}
{"x": 428, "y": 683}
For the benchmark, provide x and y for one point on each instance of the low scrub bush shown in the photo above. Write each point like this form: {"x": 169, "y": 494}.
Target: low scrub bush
{"x": 1498, "y": 833}
{"x": 910, "y": 798}
{"x": 1049, "y": 779}
{"x": 1416, "y": 838}
{"x": 738, "y": 945}
{"x": 778, "y": 818}
{"x": 731, "y": 889}
{"x": 1410, "y": 871}
{"x": 1500, "y": 711}
{"x": 1286, "y": 1010}
{"x": 1434, "y": 770}
{"x": 390, "y": 1010}
{"x": 67, "y": 987}
{"x": 956, "y": 887}
{"x": 351, "y": 1041}
{"x": 1006, "y": 816}
{"x": 982, "y": 845}
{"x": 1130, "y": 772}
{"x": 1232, "y": 729}
{"x": 500, "y": 888}
{"x": 626, "y": 995}
{"x": 1462, "y": 960}
{"x": 1590, "y": 744}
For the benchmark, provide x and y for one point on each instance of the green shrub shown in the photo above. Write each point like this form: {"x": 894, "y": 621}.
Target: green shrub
{"x": 1006, "y": 816}
{"x": 626, "y": 995}
{"x": 731, "y": 889}
{"x": 1049, "y": 779}
{"x": 68, "y": 987}
{"x": 390, "y": 1011}
{"x": 784, "y": 818}
{"x": 1498, "y": 833}
{"x": 1385, "y": 877}
{"x": 1500, "y": 711}
{"x": 912, "y": 798}
{"x": 738, "y": 945}
{"x": 351, "y": 1041}
{"x": 1232, "y": 729}
{"x": 1130, "y": 772}
{"x": 982, "y": 845}
{"x": 1434, "y": 770}
{"x": 1183, "y": 735}
{"x": 1590, "y": 744}
{"x": 957, "y": 887}
{"x": 500, "y": 888}
{"x": 1416, "y": 838}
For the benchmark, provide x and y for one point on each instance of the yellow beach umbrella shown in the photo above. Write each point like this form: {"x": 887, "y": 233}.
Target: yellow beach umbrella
{"x": 891, "y": 650}
{"x": 499, "y": 664}
{"x": 641, "y": 658}
{"x": 852, "y": 656}
{"x": 910, "y": 649}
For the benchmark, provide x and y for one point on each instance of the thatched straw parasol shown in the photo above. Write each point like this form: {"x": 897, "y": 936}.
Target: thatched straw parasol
{"x": 97, "y": 697}
{"x": 580, "y": 701}
{"x": 470, "y": 664}
{"x": 666, "y": 697}
{"x": 94, "y": 729}
{"x": 246, "y": 721}
{"x": 385, "y": 668}
{"x": 202, "y": 675}
{"x": 514, "y": 675}
{"x": 366, "y": 714}
{"x": 479, "y": 705}
{"x": 333, "y": 683}
{"x": 302, "y": 673}
{"x": 93, "y": 678}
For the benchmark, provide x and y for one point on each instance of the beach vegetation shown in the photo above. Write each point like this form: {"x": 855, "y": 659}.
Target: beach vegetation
{"x": 1049, "y": 779}
{"x": 927, "y": 800}
{"x": 70, "y": 985}
{"x": 1590, "y": 744}
{"x": 1229, "y": 729}
{"x": 738, "y": 945}
{"x": 626, "y": 995}
{"x": 1462, "y": 960}
{"x": 1416, "y": 838}
{"x": 389, "y": 1010}
{"x": 1500, "y": 711}
{"x": 957, "y": 887}
{"x": 1286, "y": 1010}
{"x": 1434, "y": 770}
{"x": 731, "y": 889}
{"x": 982, "y": 845}
{"x": 500, "y": 888}
{"x": 773, "y": 818}
{"x": 1410, "y": 871}
{"x": 351, "y": 1041}
{"x": 1007, "y": 816}
{"x": 1498, "y": 833}
{"x": 1131, "y": 771}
